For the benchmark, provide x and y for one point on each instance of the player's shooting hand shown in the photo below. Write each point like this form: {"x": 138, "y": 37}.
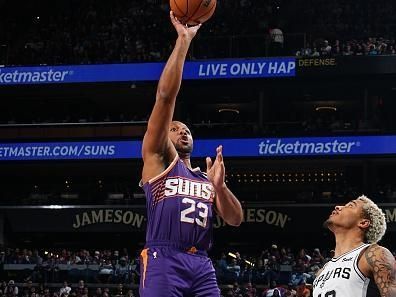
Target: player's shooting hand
{"x": 183, "y": 30}
{"x": 216, "y": 170}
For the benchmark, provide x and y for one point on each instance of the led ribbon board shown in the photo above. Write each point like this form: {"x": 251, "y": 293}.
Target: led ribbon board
{"x": 243, "y": 147}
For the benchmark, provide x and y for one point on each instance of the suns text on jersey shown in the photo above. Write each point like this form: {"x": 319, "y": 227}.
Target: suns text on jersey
{"x": 185, "y": 187}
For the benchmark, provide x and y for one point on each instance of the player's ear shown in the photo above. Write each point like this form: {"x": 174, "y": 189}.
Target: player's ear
{"x": 364, "y": 223}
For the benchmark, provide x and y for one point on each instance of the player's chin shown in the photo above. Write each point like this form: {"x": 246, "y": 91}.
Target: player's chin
{"x": 327, "y": 223}
{"x": 184, "y": 149}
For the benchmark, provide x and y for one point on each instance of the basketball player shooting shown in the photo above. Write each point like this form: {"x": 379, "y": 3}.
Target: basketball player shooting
{"x": 180, "y": 199}
{"x": 358, "y": 259}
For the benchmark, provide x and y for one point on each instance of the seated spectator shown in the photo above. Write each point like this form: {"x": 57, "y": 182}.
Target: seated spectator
{"x": 105, "y": 271}
{"x": 80, "y": 291}
{"x": 122, "y": 271}
{"x": 286, "y": 256}
{"x": 221, "y": 266}
{"x": 298, "y": 275}
{"x": 317, "y": 258}
{"x": 258, "y": 272}
{"x": 274, "y": 290}
{"x": 98, "y": 292}
{"x": 271, "y": 270}
{"x": 11, "y": 290}
{"x": 233, "y": 270}
{"x": 65, "y": 289}
{"x": 303, "y": 290}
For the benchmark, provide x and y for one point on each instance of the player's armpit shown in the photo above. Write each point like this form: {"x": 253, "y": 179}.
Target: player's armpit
{"x": 383, "y": 267}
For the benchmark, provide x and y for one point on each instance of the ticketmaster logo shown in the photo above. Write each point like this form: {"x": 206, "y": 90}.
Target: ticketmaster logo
{"x": 280, "y": 147}
{"x": 47, "y": 76}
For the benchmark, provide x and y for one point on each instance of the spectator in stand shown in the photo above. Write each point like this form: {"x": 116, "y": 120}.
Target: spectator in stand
{"x": 315, "y": 52}
{"x": 106, "y": 291}
{"x": 390, "y": 50}
{"x": 317, "y": 258}
{"x": 221, "y": 266}
{"x": 63, "y": 257}
{"x": 96, "y": 258}
{"x": 3, "y": 286}
{"x": 85, "y": 292}
{"x": 258, "y": 272}
{"x": 122, "y": 271}
{"x": 106, "y": 271}
{"x": 125, "y": 253}
{"x": 303, "y": 290}
{"x": 271, "y": 273}
{"x": 274, "y": 252}
{"x": 115, "y": 257}
{"x": 65, "y": 289}
{"x": 233, "y": 269}
{"x": 46, "y": 293}
{"x": 80, "y": 291}
{"x": 326, "y": 48}
{"x": 372, "y": 50}
{"x": 273, "y": 290}
{"x": 236, "y": 289}
{"x": 304, "y": 257}
{"x": 298, "y": 275}
{"x": 27, "y": 288}
{"x": 36, "y": 258}
{"x": 98, "y": 292}
{"x": 74, "y": 259}
{"x": 347, "y": 50}
{"x": 251, "y": 289}
{"x": 329, "y": 256}
{"x": 34, "y": 291}
{"x": 11, "y": 290}
{"x": 277, "y": 40}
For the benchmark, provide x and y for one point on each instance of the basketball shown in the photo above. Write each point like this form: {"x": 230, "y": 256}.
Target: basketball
{"x": 193, "y": 12}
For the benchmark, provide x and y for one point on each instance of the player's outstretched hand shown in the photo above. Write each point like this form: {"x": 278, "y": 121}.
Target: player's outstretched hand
{"x": 183, "y": 30}
{"x": 216, "y": 170}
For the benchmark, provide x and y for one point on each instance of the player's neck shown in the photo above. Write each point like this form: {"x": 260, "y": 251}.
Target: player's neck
{"x": 345, "y": 242}
{"x": 186, "y": 160}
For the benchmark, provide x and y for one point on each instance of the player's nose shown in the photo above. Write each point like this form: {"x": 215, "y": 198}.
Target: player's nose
{"x": 338, "y": 207}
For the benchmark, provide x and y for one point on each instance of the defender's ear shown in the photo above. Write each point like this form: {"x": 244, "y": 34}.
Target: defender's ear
{"x": 364, "y": 223}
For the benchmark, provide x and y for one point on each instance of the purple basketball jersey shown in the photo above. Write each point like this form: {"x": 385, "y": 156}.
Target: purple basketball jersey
{"x": 180, "y": 207}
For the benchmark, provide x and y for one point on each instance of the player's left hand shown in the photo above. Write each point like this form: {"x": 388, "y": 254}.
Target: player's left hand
{"x": 216, "y": 170}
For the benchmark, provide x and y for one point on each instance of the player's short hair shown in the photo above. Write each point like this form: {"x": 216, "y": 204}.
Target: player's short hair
{"x": 377, "y": 218}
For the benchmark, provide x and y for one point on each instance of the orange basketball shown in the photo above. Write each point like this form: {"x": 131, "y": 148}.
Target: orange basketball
{"x": 193, "y": 12}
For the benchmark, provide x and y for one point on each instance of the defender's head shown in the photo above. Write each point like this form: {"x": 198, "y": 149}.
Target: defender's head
{"x": 361, "y": 213}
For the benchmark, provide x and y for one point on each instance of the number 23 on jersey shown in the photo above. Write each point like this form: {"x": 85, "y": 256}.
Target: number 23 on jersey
{"x": 196, "y": 212}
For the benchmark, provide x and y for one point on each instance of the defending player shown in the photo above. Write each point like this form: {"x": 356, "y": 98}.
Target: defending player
{"x": 357, "y": 227}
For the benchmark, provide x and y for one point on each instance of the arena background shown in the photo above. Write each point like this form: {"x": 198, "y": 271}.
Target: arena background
{"x": 305, "y": 113}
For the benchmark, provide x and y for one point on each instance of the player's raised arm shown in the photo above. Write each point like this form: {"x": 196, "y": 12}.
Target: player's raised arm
{"x": 382, "y": 266}
{"x": 157, "y": 149}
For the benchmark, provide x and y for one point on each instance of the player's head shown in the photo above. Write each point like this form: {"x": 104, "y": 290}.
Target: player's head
{"x": 181, "y": 137}
{"x": 377, "y": 218}
{"x": 361, "y": 213}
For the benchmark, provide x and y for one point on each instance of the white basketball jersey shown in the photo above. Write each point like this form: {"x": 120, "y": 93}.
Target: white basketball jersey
{"x": 341, "y": 277}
